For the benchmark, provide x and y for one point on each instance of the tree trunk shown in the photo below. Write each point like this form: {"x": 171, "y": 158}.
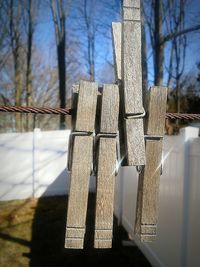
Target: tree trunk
{"x": 159, "y": 45}
{"x": 90, "y": 40}
{"x": 18, "y": 90}
{"x": 92, "y": 67}
{"x": 29, "y": 99}
{"x": 62, "y": 78}
{"x": 15, "y": 45}
{"x": 59, "y": 15}
{"x": 144, "y": 55}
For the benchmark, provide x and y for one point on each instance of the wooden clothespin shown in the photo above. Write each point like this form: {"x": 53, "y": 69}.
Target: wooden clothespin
{"x": 106, "y": 166}
{"x": 149, "y": 178}
{"x": 128, "y": 69}
{"x": 80, "y": 161}
{"x": 127, "y": 53}
{"x": 132, "y": 83}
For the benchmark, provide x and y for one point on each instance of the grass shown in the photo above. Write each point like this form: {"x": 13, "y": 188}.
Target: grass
{"x": 16, "y": 218}
{"x": 32, "y": 234}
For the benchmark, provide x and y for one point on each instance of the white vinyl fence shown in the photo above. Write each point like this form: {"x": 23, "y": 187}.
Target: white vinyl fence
{"x": 34, "y": 165}
{"x": 177, "y": 243}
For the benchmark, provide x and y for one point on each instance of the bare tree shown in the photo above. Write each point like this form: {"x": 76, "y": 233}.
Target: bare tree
{"x": 94, "y": 29}
{"x": 4, "y": 34}
{"x": 15, "y": 15}
{"x": 91, "y": 32}
{"x": 178, "y": 48}
{"x": 59, "y": 9}
{"x": 29, "y": 93}
{"x": 166, "y": 22}
{"x": 45, "y": 94}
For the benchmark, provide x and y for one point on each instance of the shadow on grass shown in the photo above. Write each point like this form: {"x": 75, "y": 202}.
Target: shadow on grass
{"x": 48, "y": 232}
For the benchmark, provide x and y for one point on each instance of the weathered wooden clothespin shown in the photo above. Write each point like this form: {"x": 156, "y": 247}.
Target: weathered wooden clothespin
{"x": 106, "y": 165}
{"x": 132, "y": 83}
{"x": 149, "y": 178}
{"x": 128, "y": 69}
{"x": 128, "y": 42}
{"x": 80, "y": 161}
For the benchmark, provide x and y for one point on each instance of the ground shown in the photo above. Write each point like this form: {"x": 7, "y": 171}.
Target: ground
{"x": 32, "y": 234}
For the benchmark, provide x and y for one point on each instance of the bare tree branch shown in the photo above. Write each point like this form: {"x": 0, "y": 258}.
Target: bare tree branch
{"x": 172, "y": 35}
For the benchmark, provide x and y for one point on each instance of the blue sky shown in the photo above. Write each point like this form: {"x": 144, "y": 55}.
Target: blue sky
{"x": 103, "y": 45}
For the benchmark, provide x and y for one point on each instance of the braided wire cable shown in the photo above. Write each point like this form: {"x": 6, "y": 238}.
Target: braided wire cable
{"x": 36, "y": 110}
{"x": 68, "y": 111}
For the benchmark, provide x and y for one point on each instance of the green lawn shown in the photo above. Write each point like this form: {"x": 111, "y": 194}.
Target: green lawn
{"x": 32, "y": 234}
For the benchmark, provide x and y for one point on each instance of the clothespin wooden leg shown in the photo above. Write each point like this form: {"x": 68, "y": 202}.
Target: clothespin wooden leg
{"x": 105, "y": 192}
{"x": 117, "y": 49}
{"x": 149, "y": 178}
{"x": 81, "y": 162}
{"x": 77, "y": 203}
{"x": 106, "y": 166}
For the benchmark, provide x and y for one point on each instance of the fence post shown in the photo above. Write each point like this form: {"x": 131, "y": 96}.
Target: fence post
{"x": 35, "y": 161}
{"x": 188, "y": 133}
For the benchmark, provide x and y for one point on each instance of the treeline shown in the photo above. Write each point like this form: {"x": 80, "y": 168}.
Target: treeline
{"x": 39, "y": 72}
{"x": 46, "y": 46}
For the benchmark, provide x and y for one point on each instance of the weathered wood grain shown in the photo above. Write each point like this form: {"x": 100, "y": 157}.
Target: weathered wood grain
{"x": 156, "y": 110}
{"x": 131, "y": 3}
{"x": 133, "y": 150}
{"x": 148, "y": 184}
{"x": 137, "y": 226}
{"x": 117, "y": 35}
{"x": 131, "y": 60}
{"x": 131, "y": 10}
{"x": 80, "y": 161}
{"x": 131, "y": 14}
{"x": 75, "y": 90}
{"x": 116, "y": 41}
{"x": 135, "y": 145}
{"x": 78, "y": 193}
{"x": 105, "y": 192}
{"x": 150, "y": 189}
{"x": 106, "y": 166}
{"x": 109, "y": 109}
{"x": 86, "y": 107}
